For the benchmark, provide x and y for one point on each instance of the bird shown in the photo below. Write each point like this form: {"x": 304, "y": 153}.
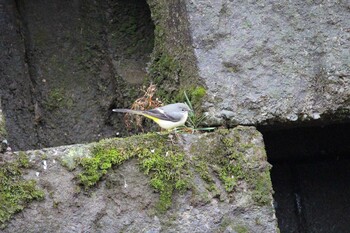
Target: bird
{"x": 167, "y": 117}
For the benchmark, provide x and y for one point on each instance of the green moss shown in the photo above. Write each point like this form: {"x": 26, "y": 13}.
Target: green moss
{"x": 224, "y": 160}
{"x": 15, "y": 192}
{"x": 57, "y": 98}
{"x": 241, "y": 229}
{"x": 166, "y": 169}
{"x": 3, "y": 132}
{"x": 234, "y": 159}
{"x": 262, "y": 188}
{"x": 236, "y": 166}
{"x": 96, "y": 166}
{"x": 194, "y": 93}
{"x": 70, "y": 159}
{"x": 229, "y": 223}
{"x": 163, "y": 162}
{"x": 202, "y": 169}
{"x": 198, "y": 93}
{"x": 172, "y": 68}
{"x": 227, "y": 154}
{"x": 161, "y": 72}
{"x": 22, "y": 159}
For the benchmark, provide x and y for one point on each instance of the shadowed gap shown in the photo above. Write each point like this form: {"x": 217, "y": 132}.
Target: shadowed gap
{"x": 311, "y": 177}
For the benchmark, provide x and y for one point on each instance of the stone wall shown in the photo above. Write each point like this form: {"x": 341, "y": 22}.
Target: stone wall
{"x": 267, "y": 61}
{"x": 65, "y": 65}
{"x": 216, "y": 182}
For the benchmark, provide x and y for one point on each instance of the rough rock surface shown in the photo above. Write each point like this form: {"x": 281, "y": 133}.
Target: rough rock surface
{"x": 124, "y": 201}
{"x": 268, "y": 60}
{"x": 65, "y": 65}
{"x": 15, "y": 83}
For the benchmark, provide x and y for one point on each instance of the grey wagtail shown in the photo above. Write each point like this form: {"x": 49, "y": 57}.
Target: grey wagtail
{"x": 167, "y": 117}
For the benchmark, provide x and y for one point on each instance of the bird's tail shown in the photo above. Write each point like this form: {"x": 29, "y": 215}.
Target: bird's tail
{"x": 128, "y": 111}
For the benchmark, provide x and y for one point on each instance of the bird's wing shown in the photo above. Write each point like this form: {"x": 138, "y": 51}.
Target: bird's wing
{"x": 160, "y": 114}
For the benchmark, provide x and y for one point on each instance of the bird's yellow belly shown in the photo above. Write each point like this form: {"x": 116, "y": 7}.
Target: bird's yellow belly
{"x": 170, "y": 124}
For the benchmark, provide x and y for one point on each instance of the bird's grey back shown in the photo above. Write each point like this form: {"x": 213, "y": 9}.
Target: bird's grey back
{"x": 174, "y": 107}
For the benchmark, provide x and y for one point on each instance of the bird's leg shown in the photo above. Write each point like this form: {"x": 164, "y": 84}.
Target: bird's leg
{"x": 173, "y": 134}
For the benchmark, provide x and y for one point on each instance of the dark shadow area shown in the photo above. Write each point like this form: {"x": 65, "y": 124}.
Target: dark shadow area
{"x": 311, "y": 177}
{"x": 64, "y": 64}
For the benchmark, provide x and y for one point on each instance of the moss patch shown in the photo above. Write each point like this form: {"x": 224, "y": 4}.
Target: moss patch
{"x": 15, "y": 192}
{"x": 162, "y": 71}
{"x": 57, "y": 98}
{"x": 159, "y": 159}
{"x": 235, "y": 160}
{"x": 229, "y": 225}
{"x": 167, "y": 170}
{"x": 241, "y": 229}
{"x": 194, "y": 93}
{"x": 96, "y": 166}
{"x": 237, "y": 166}
{"x": 172, "y": 68}
{"x": 3, "y": 132}
{"x": 229, "y": 156}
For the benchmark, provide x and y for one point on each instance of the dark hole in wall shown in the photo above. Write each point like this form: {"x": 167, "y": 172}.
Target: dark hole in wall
{"x": 311, "y": 178}
{"x": 65, "y": 64}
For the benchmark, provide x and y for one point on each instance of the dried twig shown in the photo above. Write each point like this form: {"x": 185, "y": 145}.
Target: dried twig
{"x": 143, "y": 103}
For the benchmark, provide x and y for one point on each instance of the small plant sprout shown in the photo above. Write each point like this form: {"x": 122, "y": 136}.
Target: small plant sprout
{"x": 195, "y": 120}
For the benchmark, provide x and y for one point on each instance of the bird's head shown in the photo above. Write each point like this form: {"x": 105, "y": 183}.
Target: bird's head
{"x": 184, "y": 107}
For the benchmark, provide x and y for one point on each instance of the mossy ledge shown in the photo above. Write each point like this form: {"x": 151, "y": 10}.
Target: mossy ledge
{"x": 231, "y": 156}
{"x": 163, "y": 161}
{"x": 223, "y": 170}
{"x": 15, "y": 192}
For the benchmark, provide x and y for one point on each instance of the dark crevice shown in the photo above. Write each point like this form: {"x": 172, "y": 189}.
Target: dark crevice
{"x": 24, "y": 31}
{"x": 310, "y": 177}
{"x": 298, "y": 201}
{"x": 26, "y": 38}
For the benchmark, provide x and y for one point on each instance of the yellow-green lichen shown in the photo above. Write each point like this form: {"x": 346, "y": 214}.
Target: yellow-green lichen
{"x": 15, "y": 192}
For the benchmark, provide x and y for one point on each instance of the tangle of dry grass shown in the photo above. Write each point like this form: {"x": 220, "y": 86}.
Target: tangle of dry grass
{"x": 143, "y": 103}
